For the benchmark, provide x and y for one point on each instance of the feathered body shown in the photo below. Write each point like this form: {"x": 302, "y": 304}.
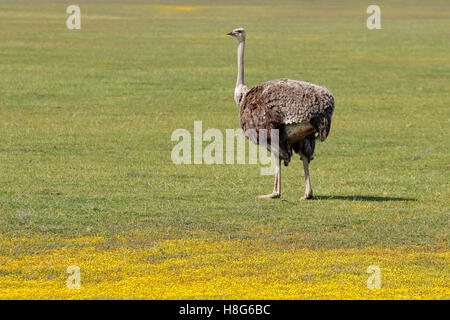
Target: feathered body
{"x": 297, "y": 109}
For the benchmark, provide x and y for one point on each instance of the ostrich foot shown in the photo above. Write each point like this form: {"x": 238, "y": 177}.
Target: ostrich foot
{"x": 273, "y": 195}
{"x": 306, "y": 197}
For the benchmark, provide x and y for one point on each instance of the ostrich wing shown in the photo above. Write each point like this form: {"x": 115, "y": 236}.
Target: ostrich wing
{"x": 277, "y": 103}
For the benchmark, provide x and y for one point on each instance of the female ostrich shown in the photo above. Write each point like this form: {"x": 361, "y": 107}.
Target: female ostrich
{"x": 300, "y": 111}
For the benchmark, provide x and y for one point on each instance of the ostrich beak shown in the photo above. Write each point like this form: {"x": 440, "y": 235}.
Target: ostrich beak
{"x": 229, "y": 34}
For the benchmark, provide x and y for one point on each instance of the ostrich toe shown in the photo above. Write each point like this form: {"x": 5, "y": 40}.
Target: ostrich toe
{"x": 273, "y": 195}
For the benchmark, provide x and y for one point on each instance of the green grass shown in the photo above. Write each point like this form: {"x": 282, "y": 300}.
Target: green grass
{"x": 86, "y": 118}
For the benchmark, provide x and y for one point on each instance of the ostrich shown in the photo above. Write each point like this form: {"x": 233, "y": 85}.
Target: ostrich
{"x": 300, "y": 111}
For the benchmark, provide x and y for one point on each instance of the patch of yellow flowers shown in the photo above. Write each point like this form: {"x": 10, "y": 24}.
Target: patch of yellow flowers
{"x": 216, "y": 269}
{"x": 176, "y": 8}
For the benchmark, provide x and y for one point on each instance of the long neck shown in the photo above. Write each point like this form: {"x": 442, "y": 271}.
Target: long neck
{"x": 240, "y": 61}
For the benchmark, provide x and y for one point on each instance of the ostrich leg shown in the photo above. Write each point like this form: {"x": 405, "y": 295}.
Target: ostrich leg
{"x": 277, "y": 184}
{"x": 308, "y": 190}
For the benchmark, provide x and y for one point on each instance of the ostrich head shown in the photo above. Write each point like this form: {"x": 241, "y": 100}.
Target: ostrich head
{"x": 238, "y": 33}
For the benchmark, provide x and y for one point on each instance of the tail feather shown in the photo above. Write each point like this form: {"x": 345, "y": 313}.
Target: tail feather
{"x": 323, "y": 125}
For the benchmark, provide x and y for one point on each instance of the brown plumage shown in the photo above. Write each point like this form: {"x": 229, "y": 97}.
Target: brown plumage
{"x": 277, "y": 103}
{"x": 300, "y": 111}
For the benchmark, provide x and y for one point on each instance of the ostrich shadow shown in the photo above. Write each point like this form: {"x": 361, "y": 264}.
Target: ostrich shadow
{"x": 363, "y": 198}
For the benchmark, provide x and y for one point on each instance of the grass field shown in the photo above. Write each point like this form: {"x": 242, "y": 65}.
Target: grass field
{"x": 86, "y": 176}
